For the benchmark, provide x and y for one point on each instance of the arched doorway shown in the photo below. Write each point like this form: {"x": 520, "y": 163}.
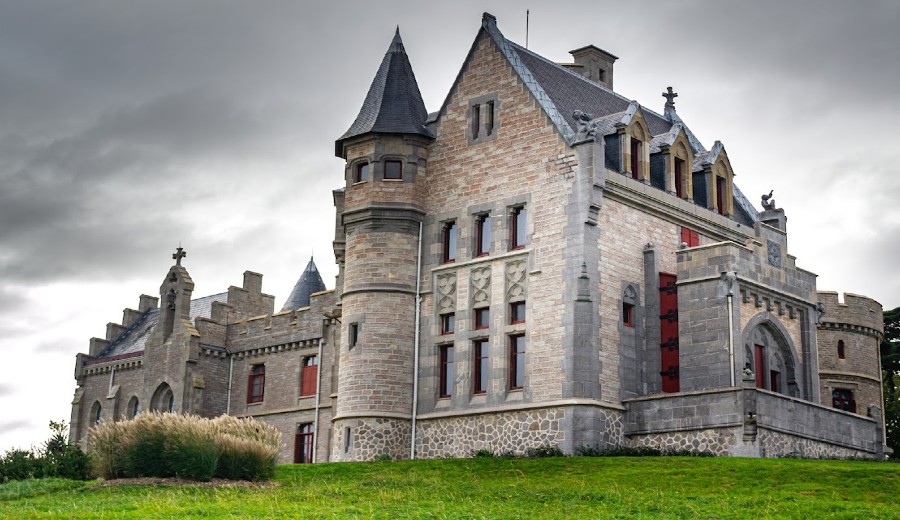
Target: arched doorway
{"x": 769, "y": 354}
{"x": 163, "y": 399}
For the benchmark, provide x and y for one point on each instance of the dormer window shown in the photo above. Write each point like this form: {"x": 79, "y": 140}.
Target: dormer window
{"x": 636, "y": 155}
{"x": 361, "y": 173}
{"x": 393, "y": 170}
{"x": 679, "y": 178}
{"x": 721, "y": 204}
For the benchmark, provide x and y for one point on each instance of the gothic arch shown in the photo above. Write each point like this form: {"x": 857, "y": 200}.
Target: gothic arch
{"x": 134, "y": 407}
{"x": 96, "y": 413}
{"x": 163, "y": 399}
{"x": 781, "y": 370}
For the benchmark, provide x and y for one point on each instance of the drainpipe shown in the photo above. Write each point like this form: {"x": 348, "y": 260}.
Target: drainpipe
{"x": 315, "y": 450}
{"x": 418, "y": 303}
{"x": 230, "y": 377}
{"x": 731, "y": 337}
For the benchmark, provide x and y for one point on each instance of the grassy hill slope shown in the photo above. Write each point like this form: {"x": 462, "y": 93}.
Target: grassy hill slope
{"x": 572, "y": 487}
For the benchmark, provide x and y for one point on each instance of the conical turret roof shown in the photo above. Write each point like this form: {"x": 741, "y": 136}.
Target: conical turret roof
{"x": 393, "y": 104}
{"x": 310, "y": 281}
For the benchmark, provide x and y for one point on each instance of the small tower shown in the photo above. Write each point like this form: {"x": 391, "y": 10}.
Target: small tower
{"x": 310, "y": 281}
{"x": 386, "y": 152}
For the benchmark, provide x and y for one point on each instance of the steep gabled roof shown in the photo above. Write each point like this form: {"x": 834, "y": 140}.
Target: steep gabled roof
{"x": 310, "y": 281}
{"x": 394, "y": 104}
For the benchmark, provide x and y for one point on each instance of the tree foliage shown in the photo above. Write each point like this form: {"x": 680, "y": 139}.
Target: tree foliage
{"x": 890, "y": 372}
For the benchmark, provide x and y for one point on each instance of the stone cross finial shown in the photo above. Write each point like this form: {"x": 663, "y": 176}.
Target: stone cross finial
{"x": 670, "y": 97}
{"x": 178, "y": 255}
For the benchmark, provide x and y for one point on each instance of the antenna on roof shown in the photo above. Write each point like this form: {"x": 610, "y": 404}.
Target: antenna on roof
{"x": 527, "y": 16}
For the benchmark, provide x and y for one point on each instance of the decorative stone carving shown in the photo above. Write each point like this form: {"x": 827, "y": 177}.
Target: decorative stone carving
{"x": 481, "y": 286}
{"x": 584, "y": 129}
{"x": 515, "y": 281}
{"x": 767, "y": 201}
{"x": 774, "y": 254}
{"x": 446, "y": 288}
{"x": 820, "y": 312}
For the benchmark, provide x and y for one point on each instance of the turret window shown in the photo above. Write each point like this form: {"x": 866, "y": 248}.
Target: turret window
{"x": 841, "y": 352}
{"x": 361, "y": 172}
{"x": 393, "y": 170}
{"x": 842, "y": 399}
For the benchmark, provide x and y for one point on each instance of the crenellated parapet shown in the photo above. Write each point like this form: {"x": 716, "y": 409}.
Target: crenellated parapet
{"x": 855, "y": 314}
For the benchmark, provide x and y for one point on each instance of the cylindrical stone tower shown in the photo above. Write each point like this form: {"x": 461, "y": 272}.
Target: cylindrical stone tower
{"x": 386, "y": 152}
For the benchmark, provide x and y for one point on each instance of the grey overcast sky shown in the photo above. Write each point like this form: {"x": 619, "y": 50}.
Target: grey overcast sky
{"x": 128, "y": 127}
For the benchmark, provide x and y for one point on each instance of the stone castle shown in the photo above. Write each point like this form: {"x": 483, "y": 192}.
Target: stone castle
{"x": 541, "y": 261}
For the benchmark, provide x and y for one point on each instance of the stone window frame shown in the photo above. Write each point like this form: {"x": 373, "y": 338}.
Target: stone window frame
{"x": 482, "y": 221}
{"x": 480, "y": 111}
{"x": 355, "y": 167}
{"x": 846, "y": 395}
{"x": 134, "y": 407}
{"x": 447, "y": 324}
{"x": 448, "y": 248}
{"x": 638, "y": 133}
{"x": 256, "y": 378}
{"x": 630, "y": 302}
{"x": 479, "y": 323}
{"x": 513, "y": 305}
{"x": 841, "y": 349}
{"x": 354, "y": 331}
{"x": 481, "y": 345}
{"x": 446, "y": 370}
{"x": 384, "y": 168}
{"x": 516, "y": 355}
{"x": 515, "y": 212}
{"x": 305, "y": 433}
{"x": 96, "y": 413}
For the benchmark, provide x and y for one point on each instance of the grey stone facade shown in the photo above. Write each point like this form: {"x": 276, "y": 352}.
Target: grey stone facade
{"x": 539, "y": 262}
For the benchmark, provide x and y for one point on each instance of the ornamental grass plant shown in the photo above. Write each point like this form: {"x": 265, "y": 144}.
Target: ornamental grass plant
{"x": 173, "y": 445}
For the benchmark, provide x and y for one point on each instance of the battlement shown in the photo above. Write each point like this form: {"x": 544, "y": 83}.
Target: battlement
{"x": 855, "y": 311}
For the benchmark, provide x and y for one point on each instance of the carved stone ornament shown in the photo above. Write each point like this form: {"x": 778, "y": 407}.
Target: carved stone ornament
{"x": 584, "y": 129}
{"x": 481, "y": 286}
{"x": 767, "y": 201}
{"x": 446, "y": 288}
{"x": 774, "y": 254}
{"x": 515, "y": 280}
{"x": 820, "y": 312}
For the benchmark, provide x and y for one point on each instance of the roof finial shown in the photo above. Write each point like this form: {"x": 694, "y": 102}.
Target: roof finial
{"x": 396, "y": 43}
{"x": 178, "y": 255}
{"x": 670, "y": 97}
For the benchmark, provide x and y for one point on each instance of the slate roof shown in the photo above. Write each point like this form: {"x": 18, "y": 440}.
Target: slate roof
{"x": 310, "y": 281}
{"x": 133, "y": 339}
{"x": 394, "y": 104}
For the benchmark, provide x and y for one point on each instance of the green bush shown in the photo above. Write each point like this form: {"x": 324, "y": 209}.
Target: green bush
{"x": 56, "y": 458}
{"x": 164, "y": 445}
{"x": 596, "y": 450}
{"x": 544, "y": 451}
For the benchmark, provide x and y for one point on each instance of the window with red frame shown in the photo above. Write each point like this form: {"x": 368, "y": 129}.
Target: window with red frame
{"x": 635, "y": 158}
{"x": 393, "y": 170}
{"x": 690, "y": 237}
{"x": 627, "y": 314}
{"x": 447, "y": 373}
{"x": 256, "y": 384}
{"x": 303, "y": 444}
{"x": 361, "y": 173}
{"x": 482, "y": 318}
{"x": 842, "y": 353}
{"x": 517, "y": 312}
{"x": 482, "y": 235}
{"x": 679, "y": 178}
{"x": 480, "y": 365}
{"x": 516, "y": 362}
{"x": 518, "y": 227}
{"x": 842, "y": 399}
{"x": 309, "y": 375}
{"x": 448, "y": 323}
{"x": 449, "y": 239}
{"x": 720, "y": 195}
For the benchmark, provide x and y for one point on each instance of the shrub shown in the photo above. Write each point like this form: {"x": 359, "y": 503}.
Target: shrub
{"x": 56, "y": 458}
{"x": 484, "y": 453}
{"x": 596, "y": 450}
{"x": 544, "y": 451}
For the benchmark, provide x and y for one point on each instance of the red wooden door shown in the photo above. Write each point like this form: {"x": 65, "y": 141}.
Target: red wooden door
{"x": 303, "y": 444}
{"x": 668, "y": 326}
{"x": 760, "y": 361}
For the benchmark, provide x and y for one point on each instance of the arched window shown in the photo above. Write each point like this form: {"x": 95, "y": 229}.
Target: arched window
{"x": 769, "y": 355}
{"x": 163, "y": 399}
{"x": 96, "y": 413}
{"x": 134, "y": 407}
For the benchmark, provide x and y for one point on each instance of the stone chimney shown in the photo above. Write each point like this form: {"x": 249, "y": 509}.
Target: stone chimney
{"x": 593, "y": 63}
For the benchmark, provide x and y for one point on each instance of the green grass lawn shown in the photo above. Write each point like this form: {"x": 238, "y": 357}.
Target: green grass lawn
{"x": 571, "y": 487}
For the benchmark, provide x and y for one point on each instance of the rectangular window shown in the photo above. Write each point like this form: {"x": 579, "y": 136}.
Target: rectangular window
{"x": 256, "y": 384}
{"x": 516, "y": 362}
{"x": 449, "y": 239}
{"x": 720, "y": 195}
{"x": 627, "y": 314}
{"x": 448, "y": 323}
{"x": 361, "y": 172}
{"x": 353, "y": 336}
{"x": 517, "y": 312}
{"x": 481, "y": 366}
{"x": 482, "y": 235}
{"x": 447, "y": 373}
{"x": 518, "y": 227}
{"x": 309, "y": 375}
{"x": 635, "y": 159}
{"x": 303, "y": 444}
{"x": 476, "y": 120}
{"x": 489, "y": 117}
{"x": 773, "y": 380}
{"x": 482, "y": 318}
{"x": 690, "y": 237}
{"x": 842, "y": 351}
{"x": 842, "y": 399}
{"x": 679, "y": 178}
{"x": 348, "y": 436}
{"x": 393, "y": 170}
